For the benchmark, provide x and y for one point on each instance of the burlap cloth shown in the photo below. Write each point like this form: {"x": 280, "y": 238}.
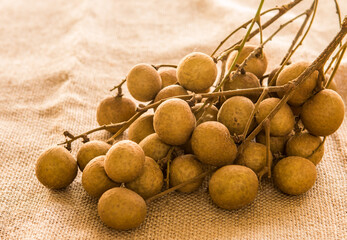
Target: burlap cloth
{"x": 59, "y": 58}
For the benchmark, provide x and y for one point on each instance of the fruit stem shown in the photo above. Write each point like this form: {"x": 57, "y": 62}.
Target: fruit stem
{"x": 268, "y": 150}
{"x": 119, "y": 86}
{"x": 335, "y": 57}
{"x": 156, "y": 67}
{"x": 320, "y": 144}
{"x": 336, "y": 65}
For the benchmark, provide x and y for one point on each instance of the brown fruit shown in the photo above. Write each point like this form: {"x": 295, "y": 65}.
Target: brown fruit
{"x": 212, "y": 144}
{"x": 294, "y": 175}
{"x": 168, "y": 77}
{"x": 170, "y": 91}
{"x": 128, "y": 212}
{"x": 143, "y": 82}
{"x": 303, "y": 145}
{"x": 124, "y": 161}
{"x": 256, "y": 65}
{"x": 233, "y": 187}
{"x": 305, "y": 89}
{"x": 283, "y": 121}
{"x": 150, "y": 181}
{"x": 141, "y": 128}
{"x": 277, "y": 144}
{"x": 174, "y": 121}
{"x": 115, "y": 110}
{"x": 235, "y": 113}
{"x": 196, "y": 71}
{"x": 211, "y": 114}
{"x": 94, "y": 178}
{"x": 154, "y": 148}
{"x": 90, "y": 150}
{"x": 184, "y": 168}
{"x": 56, "y": 168}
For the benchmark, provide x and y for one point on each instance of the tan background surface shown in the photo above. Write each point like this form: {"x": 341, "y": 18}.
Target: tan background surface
{"x": 57, "y": 61}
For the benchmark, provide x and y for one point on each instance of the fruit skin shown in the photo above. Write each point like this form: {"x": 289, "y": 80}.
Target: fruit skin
{"x": 115, "y": 110}
{"x": 211, "y": 114}
{"x": 170, "y": 91}
{"x": 168, "y": 77}
{"x": 212, "y": 144}
{"x": 141, "y": 128}
{"x": 243, "y": 81}
{"x": 233, "y": 187}
{"x": 283, "y": 121}
{"x": 304, "y": 90}
{"x": 143, "y": 82}
{"x": 56, "y": 168}
{"x": 90, "y": 150}
{"x": 94, "y": 178}
{"x": 150, "y": 181}
{"x": 184, "y": 168}
{"x": 253, "y": 156}
{"x": 277, "y": 144}
{"x": 256, "y": 65}
{"x": 303, "y": 145}
{"x": 174, "y": 121}
{"x": 129, "y": 212}
{"x": 294, "y": 175}
{"x": 196, "y": 71}
{"x": 153, "y": 147}
{"x": 234, "y": 114}
{"x": 323, "y": 113}
{"x": 124, "y": 161}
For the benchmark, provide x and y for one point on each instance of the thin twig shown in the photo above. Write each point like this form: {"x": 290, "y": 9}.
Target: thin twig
{"x": 337, "y": 55}
{"x": 164, "y": 65}
{"x": 268, "y": 143}
{"x": 331, "y": 77}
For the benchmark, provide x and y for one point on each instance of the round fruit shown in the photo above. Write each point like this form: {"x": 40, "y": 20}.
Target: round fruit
{"x": 283, "y": 121}
{"x": 154, "y": 148}
{"x": 305, "y": 89}
{"x": 124, "y": 161}
{"x": 277, "y": 144}
{"x": 174, "y": 121}
{"x": 168, "y": 77}
{"x": 256, "y": 65}
{"x": 170, "y": 91}
{"x": 115, "y": 110}
{"x": 90, "y": 150}
{"x": 233, "y": 187}
{"x": 243, "y": 81}
{"x": 212, "y": 144}
{"x": 149, "y": 182}
{"x": 303, "y": 145}
{"x": 323, "y": 114}
{"x": 56, "y": 168}
{"x": 235, "y": 113}
{"x": 184, "y": 168}
{"x": 196, "y": 71}
{"x": 128, "y": 212}
{"x": 94, "y": 178}
{"x": 294, "y": 175}
{"x": 211, "y": 114}
{"x": 143, "y": 82}
{"x": 253, "y": 156}
{"x": 141, "y": 128}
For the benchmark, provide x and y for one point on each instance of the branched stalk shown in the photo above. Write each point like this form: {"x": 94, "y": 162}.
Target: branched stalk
{"x": 336, "y": 56}
{"x": 336, "y": 65}
{"x": 338, "y": 12}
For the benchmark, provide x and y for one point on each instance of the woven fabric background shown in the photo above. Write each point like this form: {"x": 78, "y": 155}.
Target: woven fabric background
{"x": 57, "y": 61}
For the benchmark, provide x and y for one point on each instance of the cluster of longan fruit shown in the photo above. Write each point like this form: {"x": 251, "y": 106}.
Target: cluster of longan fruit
{"x": 179, "y": 140}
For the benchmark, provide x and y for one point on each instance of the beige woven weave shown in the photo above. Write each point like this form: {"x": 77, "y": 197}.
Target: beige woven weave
{"x": 57, "y": 61}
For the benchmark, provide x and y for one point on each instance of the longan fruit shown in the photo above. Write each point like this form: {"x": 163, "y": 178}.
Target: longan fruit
{"x": 243, "y": 81}
{"x": 211, "y": 114}
{"x": 90, "y": 150}
{"x": 305, "y": 89}
{"x": 196, "y": 72}
{"x": 283, "y": 121}
{"x": 277, "y": 144}
{"x": 184, "y": 168}
{"x": 115, "y": 110}
{"x": 94, "y": 178}
{"x": 253, "y": 156}
{"x": 235, "y": 113}
{"x": 174, "y": 121}
{"x": 56, "y": 168}
{"x": 256, "y": 65}
{"x": 323, "y": 113}
{"x": 124, "y": 161}
{"x": 154, "y": 148}
{"x": 212, "y": 144}
{"x": 233, "y": 187}
{"x": 143, "y": 82}
{"x": 168, "y": 77}
{"x": 150, "y": 181}
{"x": 294, "y": 175}
{"x": 122, "y": 209}
{"x": 141, "y": 128}
{"x": 303, "y": 145}
{"x": 170, "y": 91}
